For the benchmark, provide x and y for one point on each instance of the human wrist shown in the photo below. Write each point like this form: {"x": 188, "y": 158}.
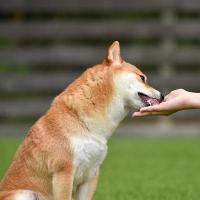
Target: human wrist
{"x": 193, "y": 100}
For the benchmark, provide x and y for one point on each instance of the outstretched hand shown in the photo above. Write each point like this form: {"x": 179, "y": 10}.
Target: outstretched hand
{"x": 175, "y": 101}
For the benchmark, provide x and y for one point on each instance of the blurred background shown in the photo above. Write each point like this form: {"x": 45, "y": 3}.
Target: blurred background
{"x": 46, "y": 44}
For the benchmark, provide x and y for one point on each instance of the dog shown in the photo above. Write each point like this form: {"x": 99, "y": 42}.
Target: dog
{"x": 63, "y": 151}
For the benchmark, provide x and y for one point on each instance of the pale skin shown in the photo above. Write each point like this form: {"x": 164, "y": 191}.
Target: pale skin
{"x": 175, "y": 101}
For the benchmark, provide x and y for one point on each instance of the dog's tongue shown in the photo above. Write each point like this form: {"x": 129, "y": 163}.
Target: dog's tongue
{"x": 153, "y": 101}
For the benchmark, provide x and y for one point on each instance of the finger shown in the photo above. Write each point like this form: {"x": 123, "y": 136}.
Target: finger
{"x": 156, "y": 108}
{"x": 136, "y": 114}
{"x": 139, "y": 114}
{"x": 167, "y": 97}
{"x": 150, "y": 108}
{"x": 170, "y": 95}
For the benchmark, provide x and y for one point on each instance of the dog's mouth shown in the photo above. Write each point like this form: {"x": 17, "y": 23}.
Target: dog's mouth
{"x": 148, "y": 101}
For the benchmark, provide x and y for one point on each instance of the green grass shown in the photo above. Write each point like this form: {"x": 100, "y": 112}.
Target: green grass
{"x": 141, "y": 169}
{"x": 7, "y": 150}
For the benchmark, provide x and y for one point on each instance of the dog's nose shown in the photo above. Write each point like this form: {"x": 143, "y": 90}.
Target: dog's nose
{"x": 161, "y": 97}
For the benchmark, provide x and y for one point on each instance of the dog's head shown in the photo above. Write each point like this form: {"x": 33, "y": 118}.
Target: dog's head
{"x": 130, "y": 82}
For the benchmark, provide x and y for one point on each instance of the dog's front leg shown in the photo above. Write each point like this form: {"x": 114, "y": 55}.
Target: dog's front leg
{"x": 63, "y": 184}
{"x": 86, "y": 190}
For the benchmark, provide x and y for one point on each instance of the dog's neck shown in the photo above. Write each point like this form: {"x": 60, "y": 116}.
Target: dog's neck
{"x": 105, "y": 124}
{"x": 95, "y": 101}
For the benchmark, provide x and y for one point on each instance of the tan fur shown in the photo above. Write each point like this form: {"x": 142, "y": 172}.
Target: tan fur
{"x": 44, "y": 150}
{"x": 44, "y": 161}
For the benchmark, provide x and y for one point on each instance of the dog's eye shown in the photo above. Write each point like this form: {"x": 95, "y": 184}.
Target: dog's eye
{"x": 143, "y": 78}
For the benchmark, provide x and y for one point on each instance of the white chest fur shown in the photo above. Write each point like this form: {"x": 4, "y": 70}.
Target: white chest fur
{"x": 89, "y": 153}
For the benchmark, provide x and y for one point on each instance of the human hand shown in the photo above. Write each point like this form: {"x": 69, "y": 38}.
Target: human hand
{"x": 175, "y": 101}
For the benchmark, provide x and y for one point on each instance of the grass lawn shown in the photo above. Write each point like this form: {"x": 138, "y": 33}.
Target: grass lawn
{"x": 141, "y": 169}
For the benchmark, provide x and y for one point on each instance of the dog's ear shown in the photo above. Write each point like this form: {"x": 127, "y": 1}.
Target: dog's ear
{"x": 113, "y": 56}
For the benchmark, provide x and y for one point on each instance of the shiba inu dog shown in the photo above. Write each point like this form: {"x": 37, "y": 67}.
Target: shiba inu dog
{"x": 63, "y": 151}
